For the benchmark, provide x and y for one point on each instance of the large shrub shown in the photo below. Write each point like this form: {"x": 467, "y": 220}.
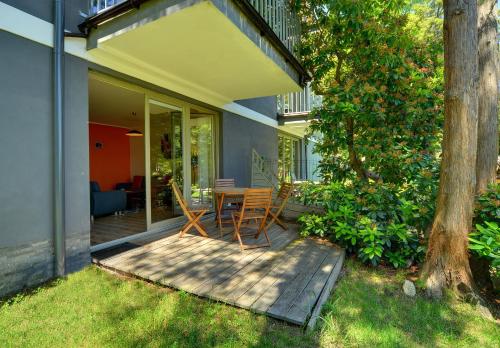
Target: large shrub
{"x": 379, "y": 70}
{"x": 375, "y": 221}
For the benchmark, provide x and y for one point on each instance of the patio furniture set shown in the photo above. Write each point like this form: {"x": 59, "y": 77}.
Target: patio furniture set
{"x": 251, "y": 209}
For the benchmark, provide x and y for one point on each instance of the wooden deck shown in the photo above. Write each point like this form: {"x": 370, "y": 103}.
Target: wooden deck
{"x": 289, "y": 281}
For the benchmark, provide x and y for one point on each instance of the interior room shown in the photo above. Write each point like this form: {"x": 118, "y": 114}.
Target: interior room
{"x": 132, "y": 168}
{"x": 116, "y": 156}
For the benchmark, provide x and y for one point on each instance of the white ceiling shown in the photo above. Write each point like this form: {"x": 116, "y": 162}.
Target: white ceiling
{"x": 116, "y": 106}
{"x": 112, "y": 105}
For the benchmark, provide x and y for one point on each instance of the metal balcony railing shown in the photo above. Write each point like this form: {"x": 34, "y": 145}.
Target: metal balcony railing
{"x": 97, "y": 6}
{"x": 278, "y": 14}
{"x": 298, "y": 102}
{"x": 282, "y": 19}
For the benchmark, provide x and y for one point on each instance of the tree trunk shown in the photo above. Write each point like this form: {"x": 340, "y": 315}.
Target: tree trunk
{"x": 447, "y": 261}
{"x": 355, "y": 162}
{"x": 487, "y": 129}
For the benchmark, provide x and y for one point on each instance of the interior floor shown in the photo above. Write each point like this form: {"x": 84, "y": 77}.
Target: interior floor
{"x": 108, "y": 228}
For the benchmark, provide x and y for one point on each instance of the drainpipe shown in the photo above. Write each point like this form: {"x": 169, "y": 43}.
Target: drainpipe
{"x": 59, "y": 235}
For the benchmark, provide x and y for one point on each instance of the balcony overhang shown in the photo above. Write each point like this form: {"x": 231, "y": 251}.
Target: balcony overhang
{"x": 296, "y": 123}
{"x": 205, "y": 49}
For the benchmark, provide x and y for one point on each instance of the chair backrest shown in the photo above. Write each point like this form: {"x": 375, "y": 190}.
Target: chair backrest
{"x": 180, "y": 198}
{"x": 285, "y": 190}
{"x": 224, "y": 183}
{"x": 137, "y": 182}
{"x": 257, "y": 198}
{"x": 284, "y": 193}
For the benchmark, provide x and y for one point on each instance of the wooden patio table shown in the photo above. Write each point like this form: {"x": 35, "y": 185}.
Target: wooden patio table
{"x": 221, "y": 193}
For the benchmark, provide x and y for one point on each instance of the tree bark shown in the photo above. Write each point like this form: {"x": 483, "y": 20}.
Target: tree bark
{"x": 355, "y": 162}
{"x": 487, "y": 131}
{"x": 447, "y": 261}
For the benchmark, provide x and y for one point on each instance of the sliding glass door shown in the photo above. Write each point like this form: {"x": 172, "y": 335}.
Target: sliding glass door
{"x": 165, "y": 146}
{"x": 288, "y": 158}
{"x": 175, "y": 140}
{"x": 180, "y": 147}
{"x": 202, "y": 157}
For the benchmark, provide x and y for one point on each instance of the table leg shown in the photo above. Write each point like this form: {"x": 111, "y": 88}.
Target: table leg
{"x": 220, "y": 203}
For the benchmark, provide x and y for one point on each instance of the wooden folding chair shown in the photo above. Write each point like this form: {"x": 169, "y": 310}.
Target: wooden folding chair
{"x": 221, "y": 183}
{"x": 256, "y": 205}
{"x": 224, "y": 183}
{"x": 193, "y": 214}
{"x": 279, "y": 204}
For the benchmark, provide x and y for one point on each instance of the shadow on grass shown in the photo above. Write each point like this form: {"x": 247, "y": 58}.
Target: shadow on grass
{"x": 179, "y": 319}
{"x": 95, "y": 308}
{"x": 25, "y": 293}
{"x": 369, "y": 308}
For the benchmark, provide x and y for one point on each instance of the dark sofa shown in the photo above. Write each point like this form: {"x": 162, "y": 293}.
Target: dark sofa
{"x": 106, "y": 202}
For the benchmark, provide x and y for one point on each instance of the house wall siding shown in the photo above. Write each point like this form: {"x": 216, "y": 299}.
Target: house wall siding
{"x": 26, "y": 155}
{"x": 44, "y": 9}
{"x": 26, "y": 238}
{"x": 239, "y": 136}
{"x": 265, "y": 105}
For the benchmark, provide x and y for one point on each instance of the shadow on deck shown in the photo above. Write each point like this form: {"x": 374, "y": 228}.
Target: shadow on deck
{"x": 290, "y": 280}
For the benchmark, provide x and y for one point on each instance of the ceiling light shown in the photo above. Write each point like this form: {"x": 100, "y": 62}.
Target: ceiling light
{"x": 134, "y": 133}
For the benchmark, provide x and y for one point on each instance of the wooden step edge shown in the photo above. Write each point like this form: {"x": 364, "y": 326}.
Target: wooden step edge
{"x": 325, "y": 293}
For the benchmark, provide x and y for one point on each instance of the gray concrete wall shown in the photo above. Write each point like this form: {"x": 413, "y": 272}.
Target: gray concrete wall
{"x": 76, "y": 165}
{"x": 26, "y": 212}
{"x": 239, "y": 136}
{"x": 265, "y": 105}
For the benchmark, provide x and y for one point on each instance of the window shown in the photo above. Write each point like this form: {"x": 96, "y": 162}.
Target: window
{"x": 288, "y": 158}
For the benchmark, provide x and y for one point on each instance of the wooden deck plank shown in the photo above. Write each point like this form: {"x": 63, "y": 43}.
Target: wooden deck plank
{"x": 153, "y": 259}
{"x": 263, "y": 293}
{"x": 325, "y": 293}
{"x": 188, "y": 261}
{"x": 189, "y": 273}
{"x": 139, "y": 253}
{"x": 237, "y": 286}
{"x": 294, "y": 288}
{"x": 158, "y": 267}
{"x": 205, "y": 288}
{"x": 230, "y": 265}
{"x": 305, "y": 302}
{"x": 272, "y": 281}
{"x": 286, "y": 285}
{"x": 171, "y": 238}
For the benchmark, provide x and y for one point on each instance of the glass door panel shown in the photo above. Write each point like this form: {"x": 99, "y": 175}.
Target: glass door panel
{"x": 166, "y": 163}
{"x": 202, "y": 158}
{"x": 281, "y": 154}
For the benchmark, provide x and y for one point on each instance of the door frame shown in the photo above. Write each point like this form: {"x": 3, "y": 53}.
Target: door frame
{"x": 185, "y": 107}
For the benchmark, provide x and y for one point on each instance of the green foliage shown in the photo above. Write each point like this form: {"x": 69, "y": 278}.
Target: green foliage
{"x": 484, "y": 241}
{"x": 379, "y": 67}
{"x": 488, "y": 205}
{"x": 93, "y": 308}
{"x": 373, "y": 221}
{"x": 369, "y": 309}
{"x": 380, "y": 76}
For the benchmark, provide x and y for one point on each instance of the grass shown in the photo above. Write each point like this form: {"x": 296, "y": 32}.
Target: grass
{"x": 93, "y": 308}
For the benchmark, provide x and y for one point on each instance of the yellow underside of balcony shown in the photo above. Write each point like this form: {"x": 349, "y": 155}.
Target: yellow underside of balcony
{"x": 198, "y": 52}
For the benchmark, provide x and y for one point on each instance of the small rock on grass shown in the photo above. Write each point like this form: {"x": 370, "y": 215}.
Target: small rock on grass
{"x": 409, "y": 288}
{"x": 484, "y": 311}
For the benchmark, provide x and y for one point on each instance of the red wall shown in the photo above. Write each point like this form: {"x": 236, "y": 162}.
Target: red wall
{"x": 110, "y": 164}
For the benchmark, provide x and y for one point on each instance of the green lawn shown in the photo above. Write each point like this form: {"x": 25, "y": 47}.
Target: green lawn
{"x": 93, "y": 308}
